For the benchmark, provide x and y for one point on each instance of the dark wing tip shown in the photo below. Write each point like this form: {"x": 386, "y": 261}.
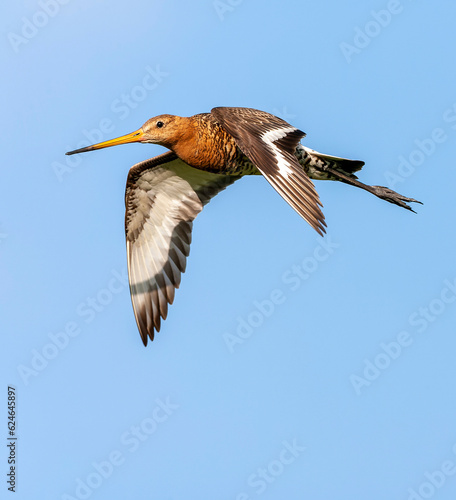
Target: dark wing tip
{"x": 151, "y": 334}
{"x": 321, "y": 226}
{"x": 147, "y": 331}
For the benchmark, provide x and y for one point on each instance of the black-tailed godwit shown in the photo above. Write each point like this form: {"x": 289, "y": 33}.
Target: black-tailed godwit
{"x": 210, "y": 151}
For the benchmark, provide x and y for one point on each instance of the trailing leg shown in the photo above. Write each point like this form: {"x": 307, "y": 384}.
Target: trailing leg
{"x": 380, "y": 191}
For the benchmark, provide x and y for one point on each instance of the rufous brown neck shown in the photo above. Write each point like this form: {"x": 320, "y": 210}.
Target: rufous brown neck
{"x": 202, "y": 143}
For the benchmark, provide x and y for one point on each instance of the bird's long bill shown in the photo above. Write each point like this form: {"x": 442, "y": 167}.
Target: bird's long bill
{"x": 125, "y": 139}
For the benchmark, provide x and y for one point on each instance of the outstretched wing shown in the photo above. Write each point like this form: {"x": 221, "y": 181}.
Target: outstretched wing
{"x": 162, "y": 198}
{"x": 270, "y": 142}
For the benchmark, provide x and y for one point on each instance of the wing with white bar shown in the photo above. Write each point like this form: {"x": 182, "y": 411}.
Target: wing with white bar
{"x": 163, "y": 197}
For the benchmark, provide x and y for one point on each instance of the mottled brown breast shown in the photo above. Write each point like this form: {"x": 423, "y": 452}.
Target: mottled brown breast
{"x": 212, "y": 149}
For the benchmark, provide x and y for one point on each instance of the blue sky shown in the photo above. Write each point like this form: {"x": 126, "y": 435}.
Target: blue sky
{"x": 339, "y": 382}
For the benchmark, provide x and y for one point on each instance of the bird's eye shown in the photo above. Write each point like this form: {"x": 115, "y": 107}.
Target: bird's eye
{"x": 160, "y": 124}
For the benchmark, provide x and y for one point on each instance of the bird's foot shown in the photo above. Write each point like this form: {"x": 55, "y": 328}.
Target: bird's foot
{"x": 389, "y": 195}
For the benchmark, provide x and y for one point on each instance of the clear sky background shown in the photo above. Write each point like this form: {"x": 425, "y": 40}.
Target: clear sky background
{"x": 344, "y": 386}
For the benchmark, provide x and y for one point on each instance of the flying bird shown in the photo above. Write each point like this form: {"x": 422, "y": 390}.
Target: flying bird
{"x": 208, "y": 152}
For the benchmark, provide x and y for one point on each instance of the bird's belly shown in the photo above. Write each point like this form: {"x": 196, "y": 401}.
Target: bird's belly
{"x": 243, "y": 166}
{"x": 238, "y": 167}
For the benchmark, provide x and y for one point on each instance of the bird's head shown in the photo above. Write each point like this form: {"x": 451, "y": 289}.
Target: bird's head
{"x": 165, "y": 130}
